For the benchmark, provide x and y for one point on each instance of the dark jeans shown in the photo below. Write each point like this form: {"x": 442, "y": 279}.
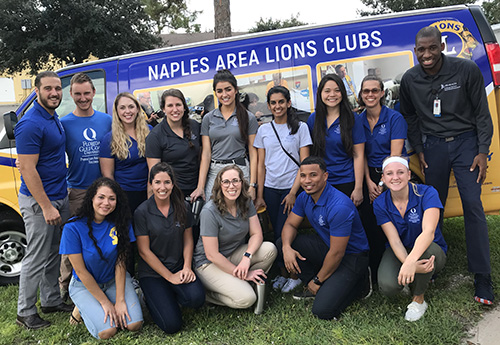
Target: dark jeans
{"x": 458, "y": 154}
{"x": 374, "y": 233}
{"x": 345, "y": 188}
{"x": 163, "y": 299}
{"x": 273, "y": 198}
{"x": 342, "y": 287}
{"x": 135, "y": 198}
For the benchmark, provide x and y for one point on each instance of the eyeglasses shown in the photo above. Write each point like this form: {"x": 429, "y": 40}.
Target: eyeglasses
{"x": 367, "y": 91}
{"x": 235, "y": 182}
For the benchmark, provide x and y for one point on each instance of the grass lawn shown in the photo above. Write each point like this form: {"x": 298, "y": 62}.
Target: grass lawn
{"x": 285, "y": 321}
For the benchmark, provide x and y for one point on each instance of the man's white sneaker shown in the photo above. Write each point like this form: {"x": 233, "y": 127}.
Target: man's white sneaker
{"x": 290, "y": 285}
{"x": 279, "y": 282}
{"x": 415, "y": 311}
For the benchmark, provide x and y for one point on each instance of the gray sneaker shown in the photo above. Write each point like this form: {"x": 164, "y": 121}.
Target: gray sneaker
{"x": 304, "y": 295}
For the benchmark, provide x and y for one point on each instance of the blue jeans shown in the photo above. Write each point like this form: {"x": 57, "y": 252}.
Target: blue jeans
{"x": 458, "y": 154}
{"x": 342, "y": 287}
{"x": 163, "y": 299}
{"x": 91, "y": 310}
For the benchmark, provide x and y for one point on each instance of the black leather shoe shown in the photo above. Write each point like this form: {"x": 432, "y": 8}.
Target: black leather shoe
{"x": 61, "y": 307}
{"x": 32, "y": 321}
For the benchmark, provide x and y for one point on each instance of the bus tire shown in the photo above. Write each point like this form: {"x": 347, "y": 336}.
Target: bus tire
{"x": 12, "y": 248}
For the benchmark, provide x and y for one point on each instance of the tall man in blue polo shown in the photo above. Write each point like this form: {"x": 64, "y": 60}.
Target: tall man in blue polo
{"x": 333, "y": 262}
{"x": 43, "y": 201}
{"x": 84, "y": 129}
{"x": 443, "y": 99}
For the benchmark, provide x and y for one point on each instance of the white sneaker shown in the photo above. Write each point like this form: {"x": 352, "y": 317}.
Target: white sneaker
{"x": 291, "y": 284}
{"x": 279, "y": 282}
{"x": 415, "y": 311}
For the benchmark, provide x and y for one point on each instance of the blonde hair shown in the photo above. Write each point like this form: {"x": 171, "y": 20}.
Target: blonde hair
{"x": 405, "y": 162}
{"x": 120, "y": 140}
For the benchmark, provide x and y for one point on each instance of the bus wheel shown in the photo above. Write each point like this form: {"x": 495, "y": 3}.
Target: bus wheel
{"x": 12, "y": 250}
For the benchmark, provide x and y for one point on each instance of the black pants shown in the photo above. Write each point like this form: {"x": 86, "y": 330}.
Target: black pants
{"x": 342, "y": 287}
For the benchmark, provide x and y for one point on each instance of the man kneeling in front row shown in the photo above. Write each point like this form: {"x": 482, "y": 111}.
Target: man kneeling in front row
{"x": 334, "y": 261}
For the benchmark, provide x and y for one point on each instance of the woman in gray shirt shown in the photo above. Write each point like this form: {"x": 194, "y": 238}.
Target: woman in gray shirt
{"x": 224, "y": 262}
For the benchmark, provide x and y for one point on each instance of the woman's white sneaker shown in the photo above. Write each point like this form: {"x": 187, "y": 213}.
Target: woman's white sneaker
{"x": 415, "y": 311}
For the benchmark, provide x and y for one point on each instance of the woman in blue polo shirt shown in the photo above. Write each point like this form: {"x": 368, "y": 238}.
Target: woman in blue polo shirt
{"x": 338, "y": 137}
{"x": 122, "y": 155}
{"x": 227, "y": 132}
{"x": 409, "y": 215}
{"x": 385, "y": 133}
{"x": 96, "y": 242}
{"x": 165, "y": 242}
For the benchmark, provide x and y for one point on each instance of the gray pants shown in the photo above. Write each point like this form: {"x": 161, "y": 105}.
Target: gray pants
{"x": 40, "y": 266}
{"x": 390, "y": 265}
{"x": 214, "y": 170}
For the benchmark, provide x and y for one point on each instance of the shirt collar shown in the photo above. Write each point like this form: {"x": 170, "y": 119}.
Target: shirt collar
{"x": 43, "y": 111}
{"x": 218, "y": 113}
{"x": 412, "y": 201}
{"x": 153, "y": 209}
{"x": 324, "y": 195}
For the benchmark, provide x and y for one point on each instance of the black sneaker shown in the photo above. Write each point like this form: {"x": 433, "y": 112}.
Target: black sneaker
{"x": 304, "y": 295}
{"x": 32, "y": 321}
{"x": 484, "y": 289}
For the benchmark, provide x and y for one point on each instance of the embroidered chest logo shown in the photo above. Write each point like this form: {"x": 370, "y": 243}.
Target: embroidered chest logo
{"x": 112, "y": 234}
{"x": 321, "y": 220}
{"x": 450, "y": 86}
{"x": 413, "y": 216}
{"x": 337, "y": 130}
{"x": 235, "y": 123}
{"x": 382, "y": 130}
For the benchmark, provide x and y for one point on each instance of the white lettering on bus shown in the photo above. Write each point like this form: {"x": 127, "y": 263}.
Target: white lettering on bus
{"x": 167, "y": 71}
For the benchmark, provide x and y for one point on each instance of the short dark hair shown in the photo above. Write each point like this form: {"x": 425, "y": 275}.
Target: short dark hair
{"x": 314, "y": 160}
{"x": 44, "y": 74}
{"x": 81, "y": 78}
{"x": 338, "y": 67}
{"x": 428, "y": 31}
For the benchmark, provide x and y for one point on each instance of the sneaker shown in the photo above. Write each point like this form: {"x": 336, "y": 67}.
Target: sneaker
{"x": 415, "y": 311}
{"x": 32, "y": 321}
{"x": 484, "y": 289}
{"x": 279, "y": 282}
{"x": 304, "y": 295}
{"x": 290, "y": 285}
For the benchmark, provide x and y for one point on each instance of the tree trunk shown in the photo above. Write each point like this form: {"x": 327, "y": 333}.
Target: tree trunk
{"x": 222, "y": 18}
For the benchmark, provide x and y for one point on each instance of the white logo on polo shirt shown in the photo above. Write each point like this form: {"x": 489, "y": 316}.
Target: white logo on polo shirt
{"x": 321, "y": 220}
{"x": 413, "y": 216}
{"x": 382, "y": 130}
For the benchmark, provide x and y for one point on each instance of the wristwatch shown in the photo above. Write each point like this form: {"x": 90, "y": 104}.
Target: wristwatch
{"x": 316, "y": 281}
{"x": 248, "y": 255}
{"x": 254, "y": 185}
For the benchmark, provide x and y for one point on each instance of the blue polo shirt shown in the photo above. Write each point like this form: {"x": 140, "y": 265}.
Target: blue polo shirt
{"x": 130, "y": 173}
{"x": 339, "y": 165}
{"x": 391, "y": 125}
{"x": 333, "y": 215}
{"x": 409, "y": 227}
{"x": 40, "y": 133}
{"x": 76, "y": 240}
{"x": 83, "y": 138}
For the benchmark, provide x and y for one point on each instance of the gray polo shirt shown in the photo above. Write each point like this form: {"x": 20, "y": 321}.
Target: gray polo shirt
{"x": 166, "y": 236}
{"x": 230, "y": 231}
{"x": 225, "y": 137}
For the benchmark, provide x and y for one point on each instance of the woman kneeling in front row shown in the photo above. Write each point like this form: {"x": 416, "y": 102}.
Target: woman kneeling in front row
{"x": 224, "y": 262}
{"x": 96, "y": 242}
{"x": 409, "y": 216}
{"x": 165, "y": 243}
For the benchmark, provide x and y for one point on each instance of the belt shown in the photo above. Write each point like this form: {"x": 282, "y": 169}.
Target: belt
{"x": 237, "y": 161}
{"x": 453, "y": 138}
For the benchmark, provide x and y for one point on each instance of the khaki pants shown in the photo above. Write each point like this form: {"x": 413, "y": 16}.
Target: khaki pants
{"x": 224, "y": 288}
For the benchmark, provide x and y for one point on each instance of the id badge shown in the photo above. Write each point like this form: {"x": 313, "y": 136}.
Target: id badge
{"x": 436, "y": 108}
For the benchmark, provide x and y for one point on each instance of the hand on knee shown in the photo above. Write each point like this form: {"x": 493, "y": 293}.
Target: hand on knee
{"x": 107, "y": 333}
{"x": 134, "y": 327}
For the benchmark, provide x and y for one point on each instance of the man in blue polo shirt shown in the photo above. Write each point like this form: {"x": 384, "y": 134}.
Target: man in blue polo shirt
{"x": 43, "y": 201}
{"x": 84, "y": 129}
{"x": 334, "y": 261}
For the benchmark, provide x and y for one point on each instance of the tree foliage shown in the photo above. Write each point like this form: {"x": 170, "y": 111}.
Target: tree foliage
{"x": 389, "y": 6}
{"x": 172, "y": 14}
{"x": 273, "y": 24}
{"x": 492, "y": 11}
{"x": 34, "y": 34}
